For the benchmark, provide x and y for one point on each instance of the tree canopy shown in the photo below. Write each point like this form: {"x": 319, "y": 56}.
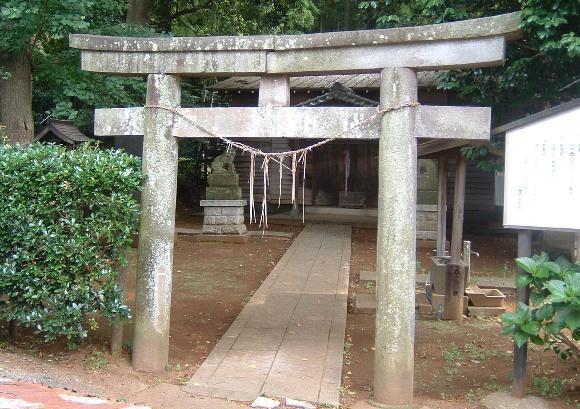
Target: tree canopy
{"x": 540, "y": 71}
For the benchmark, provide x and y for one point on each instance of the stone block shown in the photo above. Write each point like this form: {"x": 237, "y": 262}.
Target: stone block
{"x": 485, "y": 311}
{"x": 222, "y": 203}
{"x": 438, "y": 302}
{"x": 223, "y": 193}
{"x": 230, "y": 212}
{"x": 366, "y": 303}
{"x": 209, "y": 220}
{"x": 224, "y": 229}
{"x": 426, "y": 225}
{"x": 234, "y": 229}
{"x": 223, "y": 179}
{"x": 224, "y": 238}
{"x": 239, "y": 219}
{"x": 426, "y": 216}
{"x": 212, "y": 211}
{"x": 211, "y": 229}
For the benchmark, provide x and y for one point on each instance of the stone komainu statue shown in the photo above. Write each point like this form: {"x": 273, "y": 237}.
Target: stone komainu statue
{"x": 224, "y": 163}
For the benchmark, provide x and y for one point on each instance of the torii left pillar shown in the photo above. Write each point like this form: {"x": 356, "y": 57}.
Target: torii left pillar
{"x": 396, "y": 260}
{"x": 156, "y": 234}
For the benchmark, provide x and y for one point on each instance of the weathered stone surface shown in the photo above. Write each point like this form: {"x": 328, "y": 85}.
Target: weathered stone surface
{"x": 223, "y": 193}
{"x": 293, "y": 403}
{"x": 442, "y": 122}
{"x": 223, "y": 179}
{"x": 422, "y": 56}
{"x": 485, "y": 311}
{"x": 157, "y": 230}
{"x": 222, "y": 203}
{"x": 224, "y": 229}
{"x": 223, "y": 211}
{"x": 265, "y": 403}
{"x": 289, "y": 339}
{"x": 274, "y": 91}
{"x": 458, "y": 44}
{"x": 223, "y": 219}
{"x": 506, "y": 24}
{"x": 396, "y": 255}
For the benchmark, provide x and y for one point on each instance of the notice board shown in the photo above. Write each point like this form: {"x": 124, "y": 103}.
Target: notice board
{"x": 542, "y": 174}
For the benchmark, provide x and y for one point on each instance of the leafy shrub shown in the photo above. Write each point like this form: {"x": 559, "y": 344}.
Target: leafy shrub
{"x": 65, "y": 218}
{"x": 553, "y": 317}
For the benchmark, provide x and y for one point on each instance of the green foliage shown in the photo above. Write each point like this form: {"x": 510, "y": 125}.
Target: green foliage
{"x": 66, "y": 217}
{"x": 24, "y": 23}
{"x": 95, "y": 361}
{"x": 553, "y": 318}
{"x": 480, "y": 155}
{"x": 208, "y": 17}
{"x": 540, "y": 69}
{"x": 548, "y": 386}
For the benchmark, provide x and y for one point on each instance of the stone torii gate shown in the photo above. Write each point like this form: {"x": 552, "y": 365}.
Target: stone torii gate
{"x": 396, "y": 53}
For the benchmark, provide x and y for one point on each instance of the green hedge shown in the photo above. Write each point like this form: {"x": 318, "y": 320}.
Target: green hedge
{"x": 66, "y": 217}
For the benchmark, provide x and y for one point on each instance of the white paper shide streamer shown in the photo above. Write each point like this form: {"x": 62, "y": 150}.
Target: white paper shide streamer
{"x": 297, "y": 158}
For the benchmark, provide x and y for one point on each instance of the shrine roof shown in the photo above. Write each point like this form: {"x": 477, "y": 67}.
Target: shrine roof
{"x": 427, "y": 79}
{"x": 64, "y": 130}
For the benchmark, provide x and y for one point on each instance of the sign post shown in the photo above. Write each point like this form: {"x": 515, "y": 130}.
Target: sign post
{"x": 541, "y": 192}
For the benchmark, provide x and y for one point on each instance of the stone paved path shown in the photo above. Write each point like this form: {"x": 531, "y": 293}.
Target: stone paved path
{"x": 288, "y": 340}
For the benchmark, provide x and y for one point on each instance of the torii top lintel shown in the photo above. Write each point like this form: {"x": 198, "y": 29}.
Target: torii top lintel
{"x": 462, "y": 44}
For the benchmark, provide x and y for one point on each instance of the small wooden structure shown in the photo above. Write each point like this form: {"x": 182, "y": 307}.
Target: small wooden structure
{"x": 326, "y": 172}
{"x": 63, "y": 133}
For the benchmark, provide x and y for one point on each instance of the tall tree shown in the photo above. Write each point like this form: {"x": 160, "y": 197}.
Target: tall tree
{"x": 16, "y": 96}
{"x": 139, "y": 11}
{"x": 24, "y": 26}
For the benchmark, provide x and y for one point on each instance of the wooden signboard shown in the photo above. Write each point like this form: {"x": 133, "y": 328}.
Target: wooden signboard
{"x": 542, "y": 174}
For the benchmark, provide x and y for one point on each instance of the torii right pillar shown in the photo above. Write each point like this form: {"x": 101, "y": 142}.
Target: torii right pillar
{"x": 396, "y": 258}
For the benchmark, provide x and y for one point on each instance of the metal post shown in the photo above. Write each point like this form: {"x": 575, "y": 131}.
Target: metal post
{"x": 156, "y": 234}
{"x": 577, "y": 247}
{"x": 396, "y": 241}
{"x": 522, "y": 295}
{"x": 467, "y": 260}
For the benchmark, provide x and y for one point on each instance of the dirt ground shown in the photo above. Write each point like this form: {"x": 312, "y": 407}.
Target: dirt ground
{"x": 496, "y": 254}
{"x": 455, "y": 364}
{"x": 211, "y": 284}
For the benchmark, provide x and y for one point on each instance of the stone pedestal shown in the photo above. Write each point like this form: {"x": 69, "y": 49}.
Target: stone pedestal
{"x": 223, "y": 220}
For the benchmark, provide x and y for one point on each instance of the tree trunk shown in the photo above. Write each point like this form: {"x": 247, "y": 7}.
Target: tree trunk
{"x": 139, "y": 11}
{"x": 163, "y": 12}
{"x": 346, "y": 15}
{"x": 16, "y": 98}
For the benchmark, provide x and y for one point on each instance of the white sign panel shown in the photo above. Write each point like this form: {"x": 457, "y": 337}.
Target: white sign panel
{"x": 542, "y": 174}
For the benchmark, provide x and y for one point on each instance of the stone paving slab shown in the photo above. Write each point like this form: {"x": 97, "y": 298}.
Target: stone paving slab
{"x": 288, "y": 340}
